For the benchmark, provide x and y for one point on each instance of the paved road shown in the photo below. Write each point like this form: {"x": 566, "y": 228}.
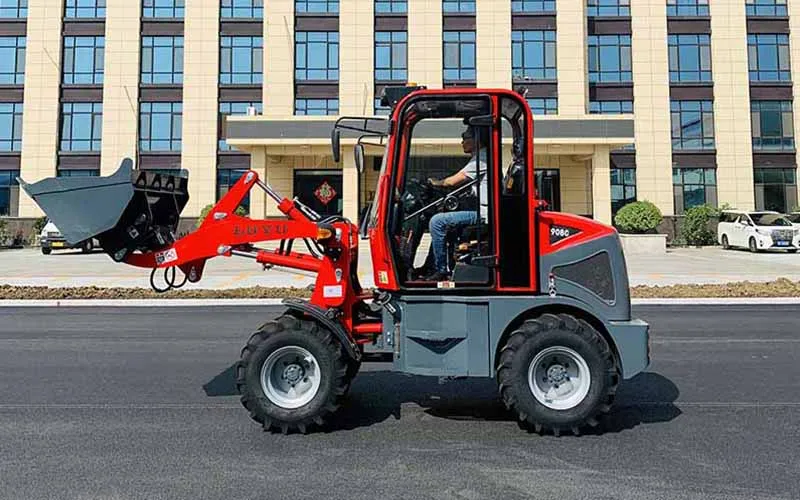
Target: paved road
{"x": 131, "y": 403}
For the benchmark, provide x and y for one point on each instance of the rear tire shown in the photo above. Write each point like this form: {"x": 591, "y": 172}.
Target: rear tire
{"x": 725, "y": 244}
{"x": 47, "y": 251}
{"x": 292, "y": 374}
{"x": 87, "y": 246}
{"x": 557, "y": 373}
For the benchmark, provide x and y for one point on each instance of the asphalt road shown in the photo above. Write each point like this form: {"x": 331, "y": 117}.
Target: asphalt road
{"x": 134, "y": 403}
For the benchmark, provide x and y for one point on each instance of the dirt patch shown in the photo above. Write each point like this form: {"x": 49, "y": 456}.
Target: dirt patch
{"x": 781, "y": 287}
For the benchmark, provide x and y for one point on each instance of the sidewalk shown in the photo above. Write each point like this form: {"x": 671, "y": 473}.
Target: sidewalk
{"x": 28, "y": 267}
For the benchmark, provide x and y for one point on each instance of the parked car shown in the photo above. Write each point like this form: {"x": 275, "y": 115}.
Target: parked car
{"x": 51, "y": 239}
{"x": 794, "y": 218}
{"x": 757, "y": 231}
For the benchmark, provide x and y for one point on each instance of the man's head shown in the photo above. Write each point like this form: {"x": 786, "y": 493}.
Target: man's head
{"x": 470, "y": 136}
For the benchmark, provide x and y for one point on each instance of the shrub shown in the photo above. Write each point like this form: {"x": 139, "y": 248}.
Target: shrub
{"x": 39, "y": 225}
{"x": 204, "y": 213}
{"x": 695, "y": 225}
{"x": 639, "y": 217}
{"x": 3, "y": 232}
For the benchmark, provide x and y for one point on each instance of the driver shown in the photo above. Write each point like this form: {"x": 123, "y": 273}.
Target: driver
{"x": 442, "y": 223}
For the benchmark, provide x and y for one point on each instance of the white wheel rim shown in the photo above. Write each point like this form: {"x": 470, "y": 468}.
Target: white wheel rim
{"x": 559, "y": 378}
{"x": 290, "y": 377}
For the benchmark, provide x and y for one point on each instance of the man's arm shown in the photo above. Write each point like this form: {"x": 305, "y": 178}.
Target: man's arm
{"x": 454, "y": 180}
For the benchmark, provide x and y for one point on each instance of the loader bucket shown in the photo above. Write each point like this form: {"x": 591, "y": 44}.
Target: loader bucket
{"x": 129, "y": 210}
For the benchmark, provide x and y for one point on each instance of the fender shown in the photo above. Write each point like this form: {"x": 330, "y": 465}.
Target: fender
{"x": 326, "y": 318}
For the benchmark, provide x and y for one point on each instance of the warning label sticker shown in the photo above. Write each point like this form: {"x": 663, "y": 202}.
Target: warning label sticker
{"x": 166, "y": 256}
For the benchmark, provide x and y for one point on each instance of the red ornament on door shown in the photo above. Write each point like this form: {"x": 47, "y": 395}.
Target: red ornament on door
{"x": 325, "y": 193}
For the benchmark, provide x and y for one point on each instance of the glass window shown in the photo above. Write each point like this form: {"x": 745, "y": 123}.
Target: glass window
{"x": 623, "y": 188}
{"x": 12, "y": 60}
{"x": 172, "y": 9}
{"x": 233, "y": 108}
{"x": 458, "y": 6}
{"x": 689, "y": 58}
{"x": 316, "y": 107}
{"x": 612, "y": 8}
{"x": 241, "y": 60}
{"x": 693, "y": 187}
{"x": 81, "y": 126}
{"x": 379, "y": 109}
{"x": 93, "y": 172}
{"x": 391, "y": 56}
{"x": 692, "y": 125}
{"x": 687, "y": 8}
{"x": 84, "y": 59}
{"x": 610, "y": 58}
{"x": 8, "y": 180}
{"x": 610, "y": 107}
{"x": 533, "y": 55}
{"x": 533, "y": 6}
{"x": 317, "y": 55}
{"x": 316, "y": 6}
{"x": 162, "y": 59}
{"x": 242, "y": 9}
{"x": 459, "y": 56}
{"x": 10, "y": 127}
{"x": 226, "y": 178}
{"x": 85, "y": 9}
{"x": 768, "y": 57}
{"x": 391, "y": 6}
{"x": 772, "y": 125}
{"x": 543, "y": 105}
{"x": 13, "y": 9}
{"x": 766, "y": 7}
{"x": 775, "y": 189}
{"x": 160, "y": 126}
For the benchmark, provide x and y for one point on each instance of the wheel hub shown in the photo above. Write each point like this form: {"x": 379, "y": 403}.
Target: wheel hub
{"x": 293, "y": 373}
{"x": 290, "y": 377}
{"x": 559, "y": 378}
{"x": 557, "y": 374}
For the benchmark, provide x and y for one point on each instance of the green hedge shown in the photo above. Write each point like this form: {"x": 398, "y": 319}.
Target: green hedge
{"x": 639, "y": 217}
{"x": 696, "y": 230}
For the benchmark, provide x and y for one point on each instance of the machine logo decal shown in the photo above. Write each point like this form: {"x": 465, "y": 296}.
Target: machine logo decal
{"x": 332, "y": 291}
{"x": 383, "y": 277}
{"x": 170, "y": 255}
{"x": 558, "y": 233}
{"x": 325, "y": 193}
{"x": 265, "y": 229}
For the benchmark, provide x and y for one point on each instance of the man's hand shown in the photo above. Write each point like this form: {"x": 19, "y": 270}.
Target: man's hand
{"x": 435, "y": 182}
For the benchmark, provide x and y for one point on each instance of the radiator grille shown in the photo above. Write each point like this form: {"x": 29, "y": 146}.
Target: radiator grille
{"x": 593, "y": 273}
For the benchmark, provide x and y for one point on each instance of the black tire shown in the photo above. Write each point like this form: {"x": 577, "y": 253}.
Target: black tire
{"x": 792, "y": 250}
{"x": 725, "y": 244}
{"x": 563, "y": 331}
{"x": 752, "y": 245}
{"x": 47, "y": 251}
{"x": 289, "y": 330}
{"x": 87, "y": 246}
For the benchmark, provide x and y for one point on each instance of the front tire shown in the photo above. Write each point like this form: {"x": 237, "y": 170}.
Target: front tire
{"x": 725, "y": 244}
{"x": 87, "y": 246}
{"x": 292, "y": 374}
{"x": 47, "y": 251}
{"x": 752, "y": 245}
{"x": 557, "y": 373}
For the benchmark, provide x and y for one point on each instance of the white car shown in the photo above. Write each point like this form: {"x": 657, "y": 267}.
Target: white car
{"x": 794, "y": 218}
{"x": 757, "y": 231}
{"x": 51, "y": 239}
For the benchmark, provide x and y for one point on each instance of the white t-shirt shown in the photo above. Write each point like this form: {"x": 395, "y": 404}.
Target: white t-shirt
{"x": 471, "y": 171}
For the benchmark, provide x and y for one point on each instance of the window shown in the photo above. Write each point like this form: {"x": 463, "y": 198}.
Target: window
{"x": 14, "y": 9}
{"x": 692, "y": 125}
{"x": 687, "y": 8}
{"x": 458, "y": 6}
{"x": 316, "y": 6}
{"x": 612, "y": 8}
{"x": 773, "y": 125}
{"x": 242, "y": 9}
{"x": 160, "y": 126}
{"x": 380, "y": 109}
{"x": 232, "y": 108}
{"x": 623, "y": 188}
{"x": 316, "y": 107}
{"x": 533, "y": 55}
{"x": 84, "y": 59}
{"x": 12, "y": 60}
{"x": 241, "y": 60}
{"x": 610, "y": 58}
{"x": 226, "y": 178}
{"x": 317, "y": 55}
{"x": 93, "y": 172}
{"x": 172, "y": 9}
{"x": 459, "y": 56}
{"x": 81, "y": 126}
{"x": 10, "y": 127}
{"x": 391, "y": 6}
{"x": 775, "y": 189}
{"x": 391, "y": 56}
{"x": 689, "y": 58}
{"x": 692, "y": 187}
{"x": 533, "y": 6}
{"x": 85, "y": 8}
{"x": 766, "y": 8}
{"x": 543, "y": 105}
{"x": 8, "y": 181}
{"x": 610, "y": 107}
{"x": 162, "y": 59}
{"x": 768, "y": 57}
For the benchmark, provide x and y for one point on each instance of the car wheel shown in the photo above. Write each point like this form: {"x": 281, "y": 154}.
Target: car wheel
{"x": 47, "y": 251}
{"x": 87, "y": 246}
{"x": 752, "y": 245}
{"x": 725, "y": 243}
{"x": 793, "y": 250}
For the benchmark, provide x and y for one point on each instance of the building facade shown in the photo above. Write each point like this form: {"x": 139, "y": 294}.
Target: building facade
{"x": 679, "y": 102}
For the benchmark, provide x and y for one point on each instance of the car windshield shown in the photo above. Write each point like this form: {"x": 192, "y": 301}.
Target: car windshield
{"x": 795, "y": 218}
{"x": 770, "y": 220}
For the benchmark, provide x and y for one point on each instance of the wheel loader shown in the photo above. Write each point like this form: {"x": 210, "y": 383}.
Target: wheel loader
{"x": 536, "y": 299}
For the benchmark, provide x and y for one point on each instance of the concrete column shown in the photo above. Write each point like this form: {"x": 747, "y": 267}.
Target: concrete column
{"x": 356, "y": 57}
{"x": 732, "y": 128}
{"x": 572, "y": 58}
{"x": 40, "y": 132}
{"x": 425, "y": 65}
{"x": 794, "y": 47}
{"x": 601, "y": 184}
{"x": 650, "y": 61}
{"x": 349, "y": 185}
{"x": 493, "y": 37}
{"x": 279, "y": 59}
{"x": 200, "y": 107}
{"x": 258, "y": 198}
{"x": 120, "y": 83}
{"x": 278, "y": 173}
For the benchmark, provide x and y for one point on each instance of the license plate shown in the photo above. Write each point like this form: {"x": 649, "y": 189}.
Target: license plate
{"x": 56, "y": 244}
{"x": 783, "y": 243}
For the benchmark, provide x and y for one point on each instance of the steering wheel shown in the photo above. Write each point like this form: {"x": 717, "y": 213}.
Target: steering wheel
{"x": 450, "y": 200}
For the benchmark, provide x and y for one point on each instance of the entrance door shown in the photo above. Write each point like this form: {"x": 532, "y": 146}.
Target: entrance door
{"x": 321, "y": 190}
{"x": 548, "y": 185}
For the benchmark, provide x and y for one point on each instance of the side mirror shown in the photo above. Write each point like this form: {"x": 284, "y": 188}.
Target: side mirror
{"x": 359, "y": 157}
{"x": 335, "y": 142}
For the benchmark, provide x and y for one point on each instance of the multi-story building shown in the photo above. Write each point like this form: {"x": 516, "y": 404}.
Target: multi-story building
{"x": 680, "y": 102}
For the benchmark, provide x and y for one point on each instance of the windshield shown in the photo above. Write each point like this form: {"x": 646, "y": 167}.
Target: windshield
{"x": 770, "y": 220}
{"x": 794, "y": 218}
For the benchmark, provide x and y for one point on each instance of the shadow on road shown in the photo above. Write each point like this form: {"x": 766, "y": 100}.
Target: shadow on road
{"x": 378, "y": 395}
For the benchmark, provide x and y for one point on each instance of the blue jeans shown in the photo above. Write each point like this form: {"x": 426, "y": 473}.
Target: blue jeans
{"x": 439, "y": 226}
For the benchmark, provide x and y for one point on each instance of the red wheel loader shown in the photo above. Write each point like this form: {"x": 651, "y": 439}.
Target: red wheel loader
{"x": 538, "y": 300}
